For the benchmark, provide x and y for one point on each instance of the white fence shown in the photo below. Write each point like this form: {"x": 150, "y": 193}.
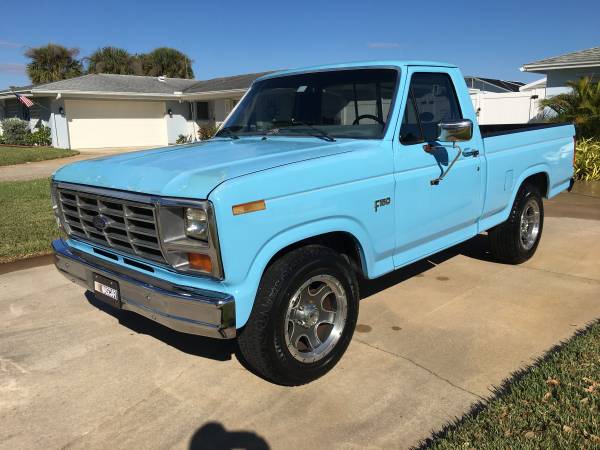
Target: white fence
{"x": 508, "y": 107}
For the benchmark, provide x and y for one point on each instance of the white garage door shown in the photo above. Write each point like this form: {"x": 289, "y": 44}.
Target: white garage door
{"x": 115, "y": 123}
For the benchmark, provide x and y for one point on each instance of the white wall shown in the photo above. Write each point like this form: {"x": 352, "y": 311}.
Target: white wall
{"x": 557, "y": 79}
{"x": 509, "y": 107}
{"x": 220, "y": 108}
{"x": 180, "y": 123}
{"x": 58, "y": 125}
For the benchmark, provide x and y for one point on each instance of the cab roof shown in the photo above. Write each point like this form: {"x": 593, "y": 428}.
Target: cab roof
{"x": 357, "y": 64}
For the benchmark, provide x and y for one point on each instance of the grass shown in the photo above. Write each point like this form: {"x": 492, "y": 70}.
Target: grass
{"x": 19, "y": 155}
{"x": 27, "y": 224}
{"x": 553, "y": 404}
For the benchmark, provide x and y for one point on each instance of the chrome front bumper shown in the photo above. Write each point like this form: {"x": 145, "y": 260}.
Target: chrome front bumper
{"x": 181, "y": 308}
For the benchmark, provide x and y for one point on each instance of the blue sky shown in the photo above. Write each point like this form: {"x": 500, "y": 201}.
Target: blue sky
{"x": 228, "y": 38}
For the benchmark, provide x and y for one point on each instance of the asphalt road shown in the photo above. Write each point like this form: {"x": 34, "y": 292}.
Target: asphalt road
{"x": 432, "y": 339}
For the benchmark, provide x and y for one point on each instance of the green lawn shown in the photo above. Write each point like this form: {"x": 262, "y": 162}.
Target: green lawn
{"x": 19, "y": 155}
{"x": 27, "y": 224}
{"x": 553, "y": 404}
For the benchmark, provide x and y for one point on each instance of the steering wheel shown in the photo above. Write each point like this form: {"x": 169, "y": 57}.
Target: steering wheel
{"x": 367, "y": 116}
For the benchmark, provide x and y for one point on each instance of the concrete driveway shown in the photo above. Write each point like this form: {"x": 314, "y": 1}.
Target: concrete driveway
{"x": 432, "y": 339}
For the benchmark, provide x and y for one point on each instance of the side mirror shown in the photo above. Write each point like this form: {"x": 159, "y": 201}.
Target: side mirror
{"x": 455, "y": 130}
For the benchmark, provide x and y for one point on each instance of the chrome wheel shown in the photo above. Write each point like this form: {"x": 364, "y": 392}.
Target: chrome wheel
{"x": 530, "y": 224}
{"x": 315, "y": 318}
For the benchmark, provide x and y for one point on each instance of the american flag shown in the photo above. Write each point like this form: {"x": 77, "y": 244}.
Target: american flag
{"x": 24, "y": 100}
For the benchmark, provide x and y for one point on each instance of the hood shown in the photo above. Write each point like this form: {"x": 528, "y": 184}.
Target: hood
{"x": 193, "y": 171}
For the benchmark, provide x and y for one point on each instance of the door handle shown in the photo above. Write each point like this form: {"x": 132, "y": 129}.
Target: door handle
{"x": 473, "y": 152}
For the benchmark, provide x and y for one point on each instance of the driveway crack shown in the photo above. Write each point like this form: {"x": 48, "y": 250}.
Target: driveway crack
{"x": 567, "y": 275}
{"x": 422, "y": 367}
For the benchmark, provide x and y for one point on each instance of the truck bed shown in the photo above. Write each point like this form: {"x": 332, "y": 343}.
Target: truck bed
{"x": 516, "y": 151}
{"x": 508, "y": 128}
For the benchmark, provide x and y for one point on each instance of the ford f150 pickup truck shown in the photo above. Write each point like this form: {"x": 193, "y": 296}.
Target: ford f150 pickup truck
{"x": 318, "y": 178}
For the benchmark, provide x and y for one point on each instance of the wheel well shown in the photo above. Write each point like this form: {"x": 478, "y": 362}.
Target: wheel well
{"x": 340, "y": 241}
{"x": 540, "y": 180}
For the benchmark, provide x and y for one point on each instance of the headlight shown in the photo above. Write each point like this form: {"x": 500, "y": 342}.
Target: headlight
{"x": 196, "y": 224}
{"x": 189, "y": 238}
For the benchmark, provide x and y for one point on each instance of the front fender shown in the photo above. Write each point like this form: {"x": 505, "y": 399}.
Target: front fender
{"x": 288, "y": 237}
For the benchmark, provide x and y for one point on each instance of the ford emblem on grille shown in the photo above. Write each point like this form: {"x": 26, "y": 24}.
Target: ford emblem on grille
{"x": 100, "y": 222}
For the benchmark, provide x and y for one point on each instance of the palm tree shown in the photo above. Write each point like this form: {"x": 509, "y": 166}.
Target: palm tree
{"x": 168, "y": 62}
{"x": 52, "y": 63}
{"x": 581, "y": 106}
{"x": 110, "y": 60}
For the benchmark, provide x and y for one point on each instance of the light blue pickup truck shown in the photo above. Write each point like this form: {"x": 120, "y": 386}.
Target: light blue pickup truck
{"x": 318, "y": 178}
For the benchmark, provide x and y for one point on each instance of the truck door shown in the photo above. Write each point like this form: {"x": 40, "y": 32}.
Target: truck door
{"x": 431, "y": 217}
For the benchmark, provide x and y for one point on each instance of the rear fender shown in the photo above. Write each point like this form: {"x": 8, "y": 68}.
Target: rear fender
{"x": 502, "y": 215}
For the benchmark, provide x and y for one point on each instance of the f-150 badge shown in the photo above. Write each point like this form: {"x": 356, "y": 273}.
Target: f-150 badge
{"x": 382, "y": 202}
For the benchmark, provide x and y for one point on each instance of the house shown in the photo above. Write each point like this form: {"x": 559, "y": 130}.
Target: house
{"x": 11, "y": 107}
{"x": 570, "y": 66}
{"x": 106, "y": 110}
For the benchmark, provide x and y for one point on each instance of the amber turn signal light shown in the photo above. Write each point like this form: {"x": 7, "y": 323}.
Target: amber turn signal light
{"x": 201, "y": 262}
{"x": 244, "y": 208}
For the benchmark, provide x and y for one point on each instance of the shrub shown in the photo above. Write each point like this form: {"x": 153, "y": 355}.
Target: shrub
{"x": 183, "y": 139}
{"x": 15, "y": 131}
{"x": 587, "y": 160}
{"x": 206, "y": 132}
{"x": 581, "y": 106}
{"x": 41, "y": 136}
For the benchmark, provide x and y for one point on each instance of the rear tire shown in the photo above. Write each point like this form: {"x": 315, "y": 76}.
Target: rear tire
{"x": 517, "y": 239}
{"x": 303, "y": 316}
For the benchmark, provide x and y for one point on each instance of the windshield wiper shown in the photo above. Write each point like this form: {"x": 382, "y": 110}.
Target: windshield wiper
{"x": 316, "y": 132}
{"x": 229, "y": 133}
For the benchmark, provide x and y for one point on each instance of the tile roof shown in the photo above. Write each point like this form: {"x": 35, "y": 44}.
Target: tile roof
{"x": 225, "y": 83}
{"x": 582, "y": 58}
{"x": 133, "y": 84}
{"x": 19, "y": 89}
{"x": 103, "y": 82}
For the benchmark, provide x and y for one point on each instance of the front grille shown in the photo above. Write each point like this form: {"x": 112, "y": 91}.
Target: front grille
{"x": 128, "y": 226}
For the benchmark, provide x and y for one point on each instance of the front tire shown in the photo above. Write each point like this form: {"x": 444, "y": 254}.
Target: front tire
{"x": 303, "y": 317}
{"x": 517, "y": 239}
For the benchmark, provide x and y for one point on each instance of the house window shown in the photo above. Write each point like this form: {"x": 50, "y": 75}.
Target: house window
{"x": 202, "y": 111}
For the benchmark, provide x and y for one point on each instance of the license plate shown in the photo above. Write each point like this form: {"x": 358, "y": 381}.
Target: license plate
{"x": 107, "y": 290}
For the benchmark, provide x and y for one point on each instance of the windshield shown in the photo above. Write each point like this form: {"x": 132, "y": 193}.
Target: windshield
{"x": 341, "y": 103}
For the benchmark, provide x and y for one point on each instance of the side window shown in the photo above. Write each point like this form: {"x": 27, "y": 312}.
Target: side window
{"x": 410, "y": 131}
{"x": 434, "y": 100}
